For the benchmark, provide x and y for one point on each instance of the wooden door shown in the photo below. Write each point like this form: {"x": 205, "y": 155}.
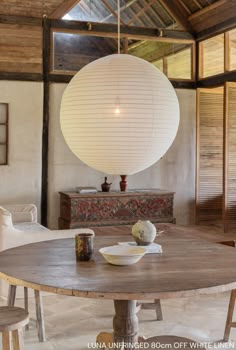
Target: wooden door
{"x": 209, "y": 176}
{"x": 230, "y": 158}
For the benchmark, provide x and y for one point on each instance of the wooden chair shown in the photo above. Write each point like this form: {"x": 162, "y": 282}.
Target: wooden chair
{"x": 229, "y": 320}
{"x": 156, "y": 305}
{"x": 12, "y": 321}
{"x": 39, "y": 309}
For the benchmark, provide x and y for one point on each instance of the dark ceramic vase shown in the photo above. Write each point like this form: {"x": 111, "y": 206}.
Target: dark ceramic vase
{"x": 123, "y": 183}
{"x": 106, "y": 186}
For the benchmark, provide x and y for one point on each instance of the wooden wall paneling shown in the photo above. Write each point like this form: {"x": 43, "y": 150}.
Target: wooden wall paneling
{"x": 21, "y": 48}
{"x": 230, "y": 196}
{"x": 210, "y": 156}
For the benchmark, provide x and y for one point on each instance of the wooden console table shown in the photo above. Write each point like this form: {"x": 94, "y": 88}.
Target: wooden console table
{"x": 115, "y": 208}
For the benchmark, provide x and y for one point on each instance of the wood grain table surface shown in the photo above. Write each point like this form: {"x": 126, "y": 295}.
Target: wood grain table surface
{"x": 189, "y": 265}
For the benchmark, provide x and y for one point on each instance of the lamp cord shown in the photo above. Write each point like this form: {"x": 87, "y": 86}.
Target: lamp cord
{"x": 118, "y": 19}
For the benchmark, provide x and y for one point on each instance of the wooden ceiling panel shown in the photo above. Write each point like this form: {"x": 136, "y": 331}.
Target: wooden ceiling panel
{"x": 30, "y": 8}
{"x": 218, "y": 12}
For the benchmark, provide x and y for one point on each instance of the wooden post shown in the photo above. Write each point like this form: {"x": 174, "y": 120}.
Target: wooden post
{"x": 11, "y": 295}
{"x": 125, "y": 322}
{"x": 46, "y": 70}
{"x": 26, "y": 303}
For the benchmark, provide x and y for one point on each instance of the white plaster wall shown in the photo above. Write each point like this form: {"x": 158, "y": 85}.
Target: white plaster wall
{"x": 174, "y": 172}
{"x": 21, "y": 178}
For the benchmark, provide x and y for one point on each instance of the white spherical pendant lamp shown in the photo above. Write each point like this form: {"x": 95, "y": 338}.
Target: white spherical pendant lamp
{"x": 119, "y": 114}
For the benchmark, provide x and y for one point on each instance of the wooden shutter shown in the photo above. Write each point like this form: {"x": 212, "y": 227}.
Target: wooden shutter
{"x": 230, "y": 161}
{"x": 209, "y": 177}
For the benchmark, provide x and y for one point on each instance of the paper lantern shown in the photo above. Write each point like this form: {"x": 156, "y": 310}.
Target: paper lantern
{"x": 119, "y": 114}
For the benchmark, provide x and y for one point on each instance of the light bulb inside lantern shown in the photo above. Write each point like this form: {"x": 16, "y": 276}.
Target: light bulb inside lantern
{"x": 117, "y": 110}
{"x": 117, "y": 107}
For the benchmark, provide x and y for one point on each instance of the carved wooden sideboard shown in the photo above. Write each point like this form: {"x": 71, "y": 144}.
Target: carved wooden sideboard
{"x": 114, "y": 208}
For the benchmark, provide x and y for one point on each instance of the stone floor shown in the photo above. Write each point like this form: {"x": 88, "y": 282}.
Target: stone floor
{"x": 73, "y": 323}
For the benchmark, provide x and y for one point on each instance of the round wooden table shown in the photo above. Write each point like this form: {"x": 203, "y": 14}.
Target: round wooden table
{"x": 188, "y": 266}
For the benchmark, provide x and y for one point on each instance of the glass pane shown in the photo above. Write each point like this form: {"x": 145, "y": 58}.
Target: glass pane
{"x": 159, "y": 65}
{"x": 3, "y": 112}
{"x": 71, "y": 52}
{"x": 213, "y": 56}
{"x": 232, "y": 49}
{"x": 178, "y": 56}
{"x": 3, "y": 134}
{"x": 179, "y": 65}
{"x": 3, "y": 155}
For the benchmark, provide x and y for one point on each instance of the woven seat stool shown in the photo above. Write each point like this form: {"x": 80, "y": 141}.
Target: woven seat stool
{"x": 39, "y": 308}
{"x": 12, "y": 321}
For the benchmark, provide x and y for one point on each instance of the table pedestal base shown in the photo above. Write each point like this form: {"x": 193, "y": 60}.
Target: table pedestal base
{"x": 125, "y": 325}
{"x": 170, "y": 342}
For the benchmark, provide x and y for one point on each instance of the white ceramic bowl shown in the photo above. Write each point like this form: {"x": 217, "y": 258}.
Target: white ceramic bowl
{"x": 122, "y": 255}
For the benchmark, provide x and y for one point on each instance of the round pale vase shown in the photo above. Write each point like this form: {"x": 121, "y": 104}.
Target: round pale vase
{"x": 144, "y": 232}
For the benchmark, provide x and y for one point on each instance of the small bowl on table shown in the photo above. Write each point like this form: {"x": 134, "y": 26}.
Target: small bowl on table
{"x": 122, "y": 255}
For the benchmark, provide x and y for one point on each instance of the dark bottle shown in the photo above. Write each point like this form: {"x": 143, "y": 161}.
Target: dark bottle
{"x": 106, "y": 186}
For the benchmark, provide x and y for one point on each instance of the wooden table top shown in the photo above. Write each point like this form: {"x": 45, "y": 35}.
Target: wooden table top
{"x": 188, "y": 266}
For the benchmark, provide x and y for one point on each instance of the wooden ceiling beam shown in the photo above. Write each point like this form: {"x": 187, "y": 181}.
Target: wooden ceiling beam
{"x": 177, "y": 11}
{"x": 63, "y": 9}
{"x": 110, "y": 30}
{"x": 217, "y": 29}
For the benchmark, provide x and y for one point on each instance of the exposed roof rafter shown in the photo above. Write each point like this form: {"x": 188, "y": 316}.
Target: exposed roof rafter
{"x": 63, "y": 9}
{"x": 128, "y": 4}
{"x": 111, "y": 10}
{"x": 178, "y": 12}
{"x": 141, "y": 12}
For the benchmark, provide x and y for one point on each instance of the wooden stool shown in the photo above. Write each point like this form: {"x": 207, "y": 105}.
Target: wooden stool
{"x": 39, "y": 308}
{"x": 156, "y": 305}
{"x": 172, "y": 342}
{"x": 229, "y": 320}
{"x": 13, "y": 319}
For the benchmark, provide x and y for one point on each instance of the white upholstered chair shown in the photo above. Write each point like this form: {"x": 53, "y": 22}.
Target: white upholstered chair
{"x": 18, "y": 226}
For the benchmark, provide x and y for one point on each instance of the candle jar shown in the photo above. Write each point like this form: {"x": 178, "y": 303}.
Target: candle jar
{"x": 84, "y": 246}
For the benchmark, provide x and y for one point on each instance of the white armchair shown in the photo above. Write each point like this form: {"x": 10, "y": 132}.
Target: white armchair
{"x": 18, "y": 226}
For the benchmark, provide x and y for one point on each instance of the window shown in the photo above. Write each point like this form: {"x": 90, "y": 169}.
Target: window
{"x": 232, "y": 49}
{"x": 72, "y": 51}
{"x": 179, "y": 65}
{"x": 3, "y": 133}
{"x": 212, "y": 56}
{"x": 159, "y": 64}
